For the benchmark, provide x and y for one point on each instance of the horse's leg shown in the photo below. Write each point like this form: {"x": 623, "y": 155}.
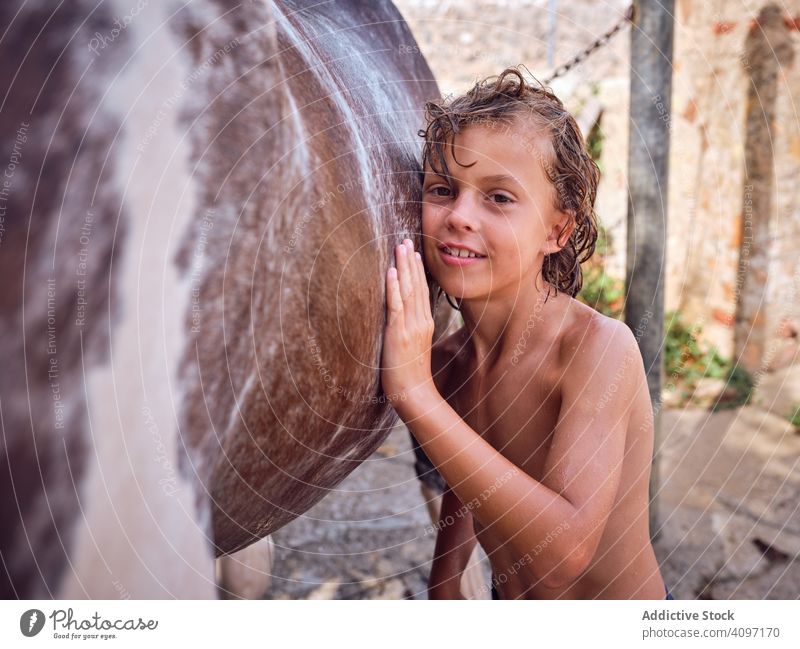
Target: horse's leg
{"x": 246, "y": 574}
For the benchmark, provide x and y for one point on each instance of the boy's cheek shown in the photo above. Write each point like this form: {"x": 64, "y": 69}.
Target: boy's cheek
{"x": 428, "y": 235}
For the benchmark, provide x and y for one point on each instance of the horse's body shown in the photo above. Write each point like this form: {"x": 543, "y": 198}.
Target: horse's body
{"x": 201, "y": 206}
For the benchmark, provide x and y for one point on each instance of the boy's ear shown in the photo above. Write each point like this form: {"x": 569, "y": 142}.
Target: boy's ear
{"x": 560, "y": 233}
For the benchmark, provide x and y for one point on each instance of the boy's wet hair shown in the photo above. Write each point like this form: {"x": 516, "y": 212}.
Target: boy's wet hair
{"x": 508, "y": 99}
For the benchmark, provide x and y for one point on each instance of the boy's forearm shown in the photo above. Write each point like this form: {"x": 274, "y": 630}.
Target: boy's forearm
{"x": 448, "y": 564}
{"x": 444, "y": 584}
{"x": 537, "y": 521}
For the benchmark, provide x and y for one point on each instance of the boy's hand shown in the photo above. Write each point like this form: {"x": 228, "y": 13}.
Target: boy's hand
{"x": 406, "y": 362}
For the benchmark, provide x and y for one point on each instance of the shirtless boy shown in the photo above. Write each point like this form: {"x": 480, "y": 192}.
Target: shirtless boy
{"x": 536, "y": 412}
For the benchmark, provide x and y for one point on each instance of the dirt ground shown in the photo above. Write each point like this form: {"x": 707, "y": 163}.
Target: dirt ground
{"x": 728, "y": 505}
{"x": 366, "y": 540}
{"x": 731, "y": 491}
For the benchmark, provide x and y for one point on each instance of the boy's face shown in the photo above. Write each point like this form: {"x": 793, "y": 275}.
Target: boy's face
{"x": 512, "y": 222}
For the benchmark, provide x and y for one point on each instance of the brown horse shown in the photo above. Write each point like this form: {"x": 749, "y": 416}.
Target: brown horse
{"x": 198, "y": 206}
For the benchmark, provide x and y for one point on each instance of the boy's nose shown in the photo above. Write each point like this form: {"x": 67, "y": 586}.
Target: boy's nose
{"x": 461, "y": 214}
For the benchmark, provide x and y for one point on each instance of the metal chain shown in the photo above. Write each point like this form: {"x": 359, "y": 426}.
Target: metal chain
{"x": 581, "y": 56}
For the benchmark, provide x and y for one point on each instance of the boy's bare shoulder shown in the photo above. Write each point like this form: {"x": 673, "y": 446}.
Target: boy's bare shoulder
{"x": 596, "y": 345}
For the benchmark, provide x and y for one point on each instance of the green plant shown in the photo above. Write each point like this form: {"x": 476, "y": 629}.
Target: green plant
{"x": 741, "y": 383}
{"x": 681, "y": 349}
{"x": 602, "y": 247}
{"x": 794, "y": 417}
{"x": 594, "y": 145}
{"x": 687, "y": 361}
{"x": 602, "y": 292}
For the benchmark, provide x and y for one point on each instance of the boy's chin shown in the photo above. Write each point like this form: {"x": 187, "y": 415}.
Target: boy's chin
{"x": 513, "y": 291}
{"x": 460, "y": 294}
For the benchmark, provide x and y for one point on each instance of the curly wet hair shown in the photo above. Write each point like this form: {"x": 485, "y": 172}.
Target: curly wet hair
{"x": 509, "y": 99}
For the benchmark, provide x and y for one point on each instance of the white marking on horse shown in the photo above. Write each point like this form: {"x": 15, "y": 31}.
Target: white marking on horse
{"x": 145, "y": 529}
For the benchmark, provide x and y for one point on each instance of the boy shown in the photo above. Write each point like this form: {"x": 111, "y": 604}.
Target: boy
{"x": 536, "y": 412}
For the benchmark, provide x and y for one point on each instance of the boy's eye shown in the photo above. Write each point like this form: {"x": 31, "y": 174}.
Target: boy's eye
{"x": 502, "y": 198}
{"x": 435, "y": 190}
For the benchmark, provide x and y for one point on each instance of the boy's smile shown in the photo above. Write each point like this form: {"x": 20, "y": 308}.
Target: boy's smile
{"x": 455, "y": 254}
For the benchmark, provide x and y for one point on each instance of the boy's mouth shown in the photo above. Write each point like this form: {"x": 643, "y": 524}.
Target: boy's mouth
{"x": 457, "y": 250}
{"x": 459, "y": 256}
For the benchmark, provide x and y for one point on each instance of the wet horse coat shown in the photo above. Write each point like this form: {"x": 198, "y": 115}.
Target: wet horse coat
{"x": 198, "y": 211}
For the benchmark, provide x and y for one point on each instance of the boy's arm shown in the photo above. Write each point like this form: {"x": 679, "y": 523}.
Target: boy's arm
{"x": 455, "y": 539}
{"x": 584, "y": 463}
{"x": 555, "y": 524}
{"x": 455, "y": 542}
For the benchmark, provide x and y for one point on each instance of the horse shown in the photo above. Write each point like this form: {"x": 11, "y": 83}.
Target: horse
{"x": 198, "y": 205}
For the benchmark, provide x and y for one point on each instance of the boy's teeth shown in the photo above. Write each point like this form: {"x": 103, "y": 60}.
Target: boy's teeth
{"x": 459, "y": 253}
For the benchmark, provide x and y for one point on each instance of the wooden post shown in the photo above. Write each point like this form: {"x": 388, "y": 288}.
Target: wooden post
{"x": 648, "y": 166}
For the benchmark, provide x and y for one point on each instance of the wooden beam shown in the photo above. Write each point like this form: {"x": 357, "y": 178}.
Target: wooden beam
{"x": 648, "y": 171}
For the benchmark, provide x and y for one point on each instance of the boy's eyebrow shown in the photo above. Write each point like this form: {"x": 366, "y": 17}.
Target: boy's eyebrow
{"x": 499, "y": 178}
{"x": 491, "y": 178}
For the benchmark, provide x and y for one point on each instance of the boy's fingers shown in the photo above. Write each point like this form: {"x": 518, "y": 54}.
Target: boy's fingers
{"x": 406, "y": 279}
{"x": 413, "y": 274}
{"x": 419, "y": 278}
{"x": 422, "y": 288}
{"x": 393, "y": 299}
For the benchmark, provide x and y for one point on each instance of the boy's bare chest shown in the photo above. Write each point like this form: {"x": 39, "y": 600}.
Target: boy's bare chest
{"x": 514, "y": 410}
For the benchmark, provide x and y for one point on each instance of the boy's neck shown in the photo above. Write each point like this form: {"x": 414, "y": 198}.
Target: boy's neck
{"x": 501, "y": 331}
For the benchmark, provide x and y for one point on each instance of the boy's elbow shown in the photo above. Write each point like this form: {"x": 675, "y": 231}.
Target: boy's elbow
{"x": 572, "y": 562}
